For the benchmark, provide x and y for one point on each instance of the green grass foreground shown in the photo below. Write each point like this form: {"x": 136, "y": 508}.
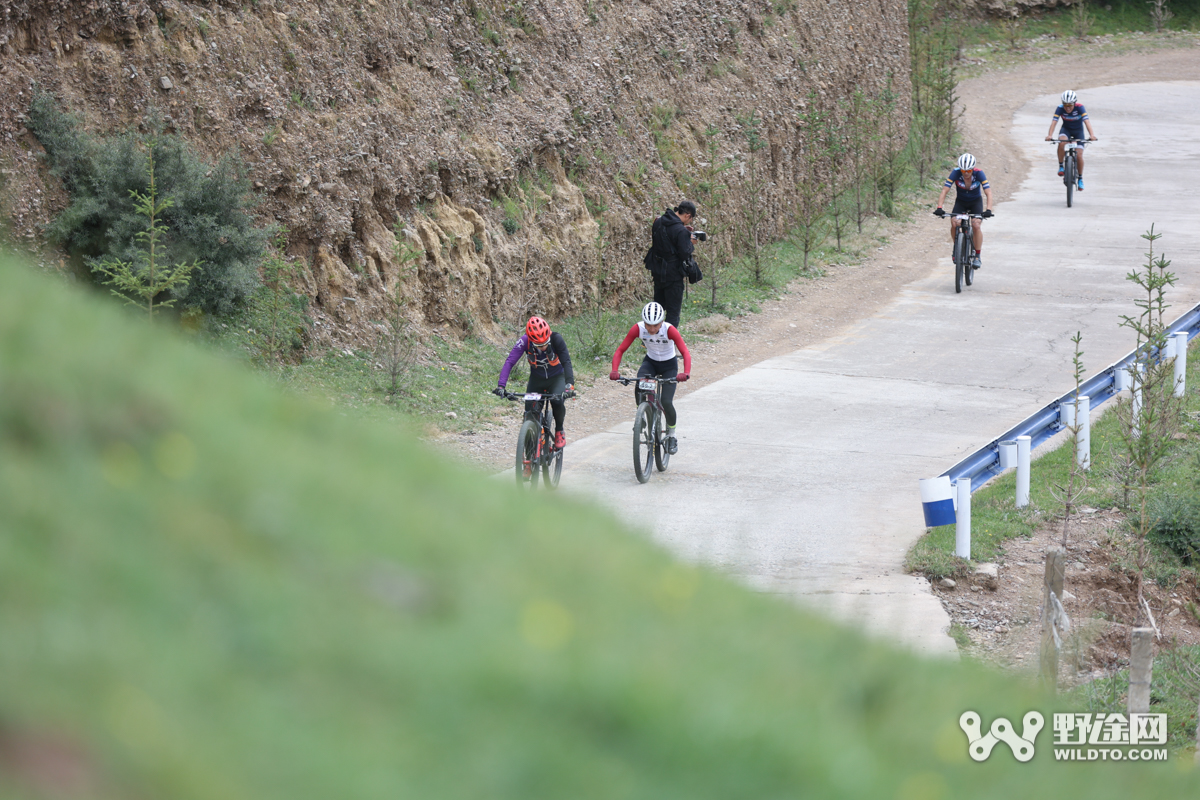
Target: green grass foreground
{"x": 211, "y": 589}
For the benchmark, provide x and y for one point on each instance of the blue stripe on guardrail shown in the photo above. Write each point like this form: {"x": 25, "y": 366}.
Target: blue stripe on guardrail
{"x": 984, "y": 464}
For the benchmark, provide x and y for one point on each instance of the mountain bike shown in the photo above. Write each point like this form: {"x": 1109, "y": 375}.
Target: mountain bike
{"x": 1070, "y": 167}
{"x": 963, "y": 251}
{"x": 649, "y": 434}
{"x": 535, "y": 442}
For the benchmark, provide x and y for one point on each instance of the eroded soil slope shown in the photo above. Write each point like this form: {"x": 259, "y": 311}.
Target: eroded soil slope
{"x": 496, "y": 137}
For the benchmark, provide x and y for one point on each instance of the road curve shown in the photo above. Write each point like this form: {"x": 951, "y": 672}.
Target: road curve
{"x": 798, "y": 475}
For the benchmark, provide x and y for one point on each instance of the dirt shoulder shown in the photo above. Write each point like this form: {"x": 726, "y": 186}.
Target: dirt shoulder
{"x": 997, "y": 619}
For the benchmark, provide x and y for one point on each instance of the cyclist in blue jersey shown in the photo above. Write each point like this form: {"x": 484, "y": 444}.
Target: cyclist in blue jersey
{"x": 1074, "y": 117}
{"x": 972, "y": 188}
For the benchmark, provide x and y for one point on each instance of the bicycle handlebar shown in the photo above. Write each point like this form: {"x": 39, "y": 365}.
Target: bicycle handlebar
{"x": 960, "y": 214}
{"x": 1067, "y": 141}
{"x": 521, "y": 395}
{"x": 627, "y": 381}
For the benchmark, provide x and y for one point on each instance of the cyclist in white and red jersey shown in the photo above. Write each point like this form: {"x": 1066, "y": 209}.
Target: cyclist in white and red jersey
{"x": 660, "y": 338}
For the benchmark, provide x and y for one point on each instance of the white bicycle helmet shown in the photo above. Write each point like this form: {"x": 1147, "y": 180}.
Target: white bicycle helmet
{"x": 966, "y": 161}
{"x": 653, "y": 314}
{"x": 1069, "y": 97}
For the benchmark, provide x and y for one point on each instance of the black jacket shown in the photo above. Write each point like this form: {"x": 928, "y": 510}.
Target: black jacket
{"x": 672, "y": 242}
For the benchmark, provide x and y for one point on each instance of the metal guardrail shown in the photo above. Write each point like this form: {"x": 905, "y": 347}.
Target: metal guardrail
{"x": 984, "y": 464}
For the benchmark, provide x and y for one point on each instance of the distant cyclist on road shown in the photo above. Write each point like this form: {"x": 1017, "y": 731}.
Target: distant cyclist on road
{"x": 1074, "y": 117}
{"x": 550, "y": 370}
{"x": 971, "y": 188}
{"x": 660, "y": 338}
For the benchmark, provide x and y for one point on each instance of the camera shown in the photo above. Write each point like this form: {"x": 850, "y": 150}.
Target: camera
{"x": 701, "y": 235}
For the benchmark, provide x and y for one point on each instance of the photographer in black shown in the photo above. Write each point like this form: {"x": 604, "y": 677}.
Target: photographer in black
{"x": 670, "y": 257}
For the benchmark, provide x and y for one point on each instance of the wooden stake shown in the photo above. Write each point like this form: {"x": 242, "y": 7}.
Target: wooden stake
{"x": 1141, "y": 661}
{"x": 1052, "y": 585}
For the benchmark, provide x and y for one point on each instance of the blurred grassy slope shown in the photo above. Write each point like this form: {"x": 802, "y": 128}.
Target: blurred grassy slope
{"x": 209, "y": 589}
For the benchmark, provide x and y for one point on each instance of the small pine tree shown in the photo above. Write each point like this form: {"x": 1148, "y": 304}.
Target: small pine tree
{"x": 1147, "y": 429}
{"x": 1160, "y": 13}
{"x": 143, "y": 279}
{"x": 710, "y": 192}
{"x": 891, "y": 160}
{"x": 859, "y": 130}
{"x": 597, "y": 326}
{"x": 811, "y": 210}
{"x": 276, "y": 313}
{"x": 1069, "y": 493}
{"x": 754, "y": 208}
{"x": 208, "y": 220}
{"x": 396, "y": 347}
{"x": 834, "y": 145}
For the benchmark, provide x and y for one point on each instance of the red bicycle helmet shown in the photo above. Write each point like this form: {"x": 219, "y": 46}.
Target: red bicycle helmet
{"x": 537, "y": 330}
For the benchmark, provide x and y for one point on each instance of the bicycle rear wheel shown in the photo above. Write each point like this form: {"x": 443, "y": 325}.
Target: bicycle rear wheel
{"x": 552, "y": 470}
{"x": 643, "y": 442}
{"x": 526, "y": 461}
{"x": 959, "y": 256}
{"x": 661, "y": 456}
{"x": 1069, "y": 178}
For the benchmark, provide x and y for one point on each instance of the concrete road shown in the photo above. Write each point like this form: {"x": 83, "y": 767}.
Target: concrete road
{"x": 799, "y": 475}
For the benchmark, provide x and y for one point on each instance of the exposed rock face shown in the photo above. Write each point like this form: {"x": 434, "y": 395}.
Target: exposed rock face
{"x": 495, "y": 136}
{"x": 1014, "y": 8}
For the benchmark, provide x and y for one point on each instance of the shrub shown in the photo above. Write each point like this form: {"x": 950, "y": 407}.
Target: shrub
{"x": 1175, "y": 523}
{"x": 276, "y": 314}
{"x": 142, "y": 281}
{"x": 208, "y": 220}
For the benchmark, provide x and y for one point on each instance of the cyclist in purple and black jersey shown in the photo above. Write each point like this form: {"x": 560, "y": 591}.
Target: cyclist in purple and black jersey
{"x": 972, "y": 188}
{"x": 1074, "y": 118}
{"x": 550, "y": 370}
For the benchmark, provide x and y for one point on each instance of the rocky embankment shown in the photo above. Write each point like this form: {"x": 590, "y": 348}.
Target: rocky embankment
{"x": 497, "y": 138}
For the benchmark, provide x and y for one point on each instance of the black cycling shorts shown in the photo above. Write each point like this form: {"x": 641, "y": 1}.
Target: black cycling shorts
{"x": 968, "y": 205}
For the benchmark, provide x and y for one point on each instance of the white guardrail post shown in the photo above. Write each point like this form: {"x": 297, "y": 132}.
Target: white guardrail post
{"x": 1022, "y": 471}
{"x": 1181, "y": 345}
{"x": 962, "y": 530}
{"x": 1081, "y": 410}
{"x": 1008, "y": 454}
{"x": 1121, "y": 379}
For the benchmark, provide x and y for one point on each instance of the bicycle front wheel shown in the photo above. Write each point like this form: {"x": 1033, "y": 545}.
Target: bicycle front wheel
{"x": 661, "y": 456}
{"x": 960, "y": 243}
{"x": 1069, "y": 178}
{"x": 527, "y": 455}
{"x": 643, "y": 442}
{"x": 552, "y": 470}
